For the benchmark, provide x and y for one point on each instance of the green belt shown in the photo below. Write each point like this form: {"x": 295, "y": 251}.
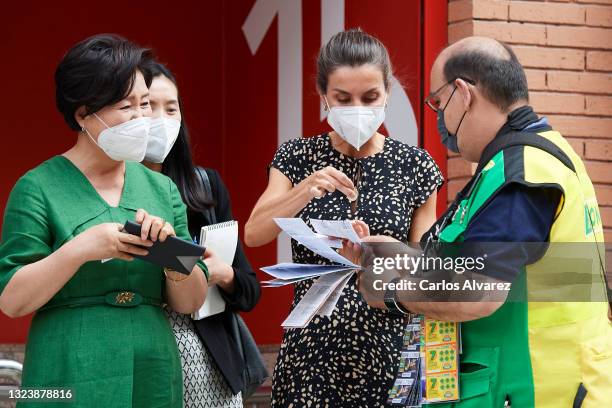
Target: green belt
{"x": 116, "y": 298}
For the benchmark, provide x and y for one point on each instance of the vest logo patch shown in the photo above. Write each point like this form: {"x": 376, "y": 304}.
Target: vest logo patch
{"x": 592, "y": 218}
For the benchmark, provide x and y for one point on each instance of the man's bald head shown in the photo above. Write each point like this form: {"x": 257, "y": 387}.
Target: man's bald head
{"x": 485, "y": 45}
{"x": 492, "y": 65}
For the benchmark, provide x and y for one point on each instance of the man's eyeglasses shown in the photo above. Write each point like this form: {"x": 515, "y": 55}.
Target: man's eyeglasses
{"x": 434, "y": 102}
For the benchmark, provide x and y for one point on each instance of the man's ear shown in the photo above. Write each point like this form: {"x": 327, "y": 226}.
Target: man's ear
{"x": 465, "y": 92}
{"x": 79, "y": 116}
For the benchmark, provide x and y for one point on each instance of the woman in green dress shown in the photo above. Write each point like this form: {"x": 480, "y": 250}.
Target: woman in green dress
{"x": 99, "y": 330}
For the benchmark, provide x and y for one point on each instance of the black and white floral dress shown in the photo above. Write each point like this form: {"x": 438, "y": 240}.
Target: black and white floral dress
{"x": 350, "y": 358}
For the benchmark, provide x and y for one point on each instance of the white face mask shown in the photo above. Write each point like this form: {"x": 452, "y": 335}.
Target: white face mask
{"x": 162, "y": 135}
{"x": 126, "y": 141}
{"x": 356, "y": 124}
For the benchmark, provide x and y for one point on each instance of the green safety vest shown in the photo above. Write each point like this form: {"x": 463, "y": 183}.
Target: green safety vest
{"x": 536, "y": 354}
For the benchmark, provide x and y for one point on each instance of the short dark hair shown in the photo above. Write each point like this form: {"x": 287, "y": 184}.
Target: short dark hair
{"x": 501, "y": 80}
{"x": 97, "y": 72}
{"x": 352, "y": 48}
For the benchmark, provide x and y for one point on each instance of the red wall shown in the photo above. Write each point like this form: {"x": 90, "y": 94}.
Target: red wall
{"x": 230, "y": 95}
{"x": 33, "y": 38}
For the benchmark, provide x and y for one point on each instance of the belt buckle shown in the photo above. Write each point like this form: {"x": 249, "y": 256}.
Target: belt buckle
{"x": 123, "y": 298}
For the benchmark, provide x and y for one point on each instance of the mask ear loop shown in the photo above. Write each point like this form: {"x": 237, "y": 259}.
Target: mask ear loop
{"x": 326, "y": 106}
{"x": 460, "y": 122}
{"x": 100, "y": 119}
{"x": 84, "y": 129}
{"x": 463, "y": 116}
{"x": 88, "y": 134}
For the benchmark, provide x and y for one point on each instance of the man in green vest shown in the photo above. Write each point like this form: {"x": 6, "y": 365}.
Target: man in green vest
{"x": 529, "y": 186}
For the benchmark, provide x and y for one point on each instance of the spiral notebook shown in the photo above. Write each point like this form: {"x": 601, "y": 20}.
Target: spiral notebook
{"x": 222, "y": 239}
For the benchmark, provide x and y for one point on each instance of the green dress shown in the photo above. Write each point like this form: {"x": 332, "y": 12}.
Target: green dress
{"x": 106, "y": 354}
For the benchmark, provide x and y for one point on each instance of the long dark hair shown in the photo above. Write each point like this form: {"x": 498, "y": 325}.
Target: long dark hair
{"x": 179, "y": 164}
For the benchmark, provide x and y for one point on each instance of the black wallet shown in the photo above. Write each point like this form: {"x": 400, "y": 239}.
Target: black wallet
{"x": 174, "y": 253}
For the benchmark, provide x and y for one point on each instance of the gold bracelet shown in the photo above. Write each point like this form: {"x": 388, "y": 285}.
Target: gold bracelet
{"x": 166, "y": 270}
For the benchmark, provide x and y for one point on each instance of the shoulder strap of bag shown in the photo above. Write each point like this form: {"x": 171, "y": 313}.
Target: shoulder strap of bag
{"x": 212, "y": 216}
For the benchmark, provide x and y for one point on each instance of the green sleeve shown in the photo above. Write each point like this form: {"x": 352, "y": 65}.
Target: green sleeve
{"x": 26, "y": 237}
{"x": 180, "y": 220}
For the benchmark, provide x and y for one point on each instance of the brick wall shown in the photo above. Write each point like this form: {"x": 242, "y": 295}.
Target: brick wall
{"x": 566, "y": 48}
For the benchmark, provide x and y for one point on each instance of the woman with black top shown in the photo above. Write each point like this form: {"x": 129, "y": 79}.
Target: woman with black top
{"x": 211, "y": 364}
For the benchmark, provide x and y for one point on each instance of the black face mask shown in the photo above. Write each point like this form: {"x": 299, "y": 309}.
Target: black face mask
{"x": 448, "y": 139}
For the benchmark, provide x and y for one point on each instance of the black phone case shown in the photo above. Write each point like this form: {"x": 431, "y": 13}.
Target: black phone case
{"x": 174, "y": 253}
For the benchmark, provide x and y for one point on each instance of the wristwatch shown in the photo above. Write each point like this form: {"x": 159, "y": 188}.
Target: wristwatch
{"x": 393, "y": 306}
